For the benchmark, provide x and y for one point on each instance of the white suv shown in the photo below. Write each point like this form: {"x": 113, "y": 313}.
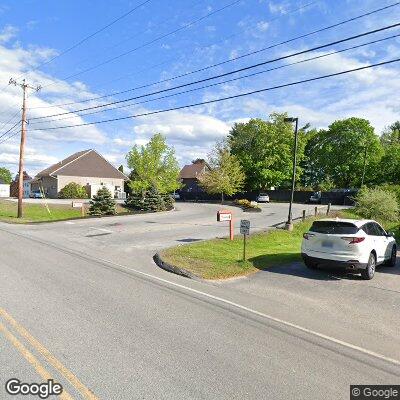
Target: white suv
{"x": 358, "y": 245}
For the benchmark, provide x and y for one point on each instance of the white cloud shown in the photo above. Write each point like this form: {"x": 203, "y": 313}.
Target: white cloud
{"x": 262, "y": 26}
{"x": 278, "y": 7}
{"x": 182, "y": 127}
{"x": 191, "y": 134}
{"x": 45, "y": 147}
{"x": 7, "y": 33}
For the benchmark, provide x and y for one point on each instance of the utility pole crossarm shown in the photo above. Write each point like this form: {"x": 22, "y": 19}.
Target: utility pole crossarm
{"x": 24, "y": 86}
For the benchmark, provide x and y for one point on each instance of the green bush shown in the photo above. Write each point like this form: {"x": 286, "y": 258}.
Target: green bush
{"x": 391, "y": 188}
{"x": 243, "y": 203}
{"x": 150, "y": 200}
{"x": 73, "y": 191}
{"x": 377, "y": 204}
{"x": 102, "y": 203}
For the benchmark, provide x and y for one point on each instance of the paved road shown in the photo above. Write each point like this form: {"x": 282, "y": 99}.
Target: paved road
{"x": 118, "y": 326}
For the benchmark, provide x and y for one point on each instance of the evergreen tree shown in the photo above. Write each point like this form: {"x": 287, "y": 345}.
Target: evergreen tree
{"x": 102, "y": 203}
{"x": 154, "y": 201}
{"x": 135, "y": 201}
{"x": 150, "y": 200}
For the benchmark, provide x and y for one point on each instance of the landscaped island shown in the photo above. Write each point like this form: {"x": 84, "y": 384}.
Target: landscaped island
{"x": 222, "y": 258}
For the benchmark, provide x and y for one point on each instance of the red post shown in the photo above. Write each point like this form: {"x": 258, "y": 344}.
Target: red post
{"x": 225, "y": 215}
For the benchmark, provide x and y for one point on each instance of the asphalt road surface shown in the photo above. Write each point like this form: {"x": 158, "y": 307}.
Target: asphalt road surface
{"x": 82, "y": 302}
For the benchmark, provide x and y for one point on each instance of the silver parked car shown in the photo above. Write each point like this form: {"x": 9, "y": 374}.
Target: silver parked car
{"x": 263, "y": 198}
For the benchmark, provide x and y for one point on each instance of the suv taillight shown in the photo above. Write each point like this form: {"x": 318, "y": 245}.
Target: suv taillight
{"x": 353, "y": 240}
{"x": 307, "y": 235}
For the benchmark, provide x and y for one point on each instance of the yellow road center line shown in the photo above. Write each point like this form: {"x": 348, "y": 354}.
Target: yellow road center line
{"x": 31, "y": 359}
{"x": 86, "y": 393}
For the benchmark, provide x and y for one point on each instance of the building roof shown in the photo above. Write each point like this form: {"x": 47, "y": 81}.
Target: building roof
{"x": 25, "y": 175}
{"x": 87, "y": 163}
{"x": 192, "y": 171}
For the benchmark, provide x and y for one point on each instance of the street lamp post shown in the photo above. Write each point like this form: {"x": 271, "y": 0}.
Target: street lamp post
{"x": 364, "y": 166}
{"x": 289, "y": 223}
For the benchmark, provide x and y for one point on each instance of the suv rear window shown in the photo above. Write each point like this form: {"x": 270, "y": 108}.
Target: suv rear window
{"x": 334, "y": 227}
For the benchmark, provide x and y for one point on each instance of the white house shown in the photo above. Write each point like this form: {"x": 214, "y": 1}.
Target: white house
{"x": 4, "y": 189}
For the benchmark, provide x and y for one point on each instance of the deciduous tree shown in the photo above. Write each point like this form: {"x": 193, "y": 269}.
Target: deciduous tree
{"x": 5, "y": 175}
{"x": 225, "y": 175}
{"x": 338, "y": 153}
{"x": 153, "y": 166}
{"x": 265, "y": 150}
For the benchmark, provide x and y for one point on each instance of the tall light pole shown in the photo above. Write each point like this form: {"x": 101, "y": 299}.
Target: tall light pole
{"x": 289, "y": 223}
{"x": 24, "y": 86}
{"x": 364, "y": 166}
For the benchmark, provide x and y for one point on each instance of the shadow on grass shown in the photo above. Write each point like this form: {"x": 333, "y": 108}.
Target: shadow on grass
{"x": 292, "y": 264}
{"x": 188, "y": 240}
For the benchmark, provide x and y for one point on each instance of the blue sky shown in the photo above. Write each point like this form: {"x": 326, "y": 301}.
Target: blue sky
{"x": 33, "y": 32}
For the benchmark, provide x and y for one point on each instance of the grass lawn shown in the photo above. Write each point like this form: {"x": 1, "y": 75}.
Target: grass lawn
{"x": 39, "y": 213}
{"x": 221, "y": 258}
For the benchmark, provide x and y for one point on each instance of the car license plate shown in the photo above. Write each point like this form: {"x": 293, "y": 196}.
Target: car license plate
{"x": 327, "y": 243}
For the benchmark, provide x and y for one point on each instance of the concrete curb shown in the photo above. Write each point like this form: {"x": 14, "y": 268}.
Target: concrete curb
{"x": 174, "y": 269}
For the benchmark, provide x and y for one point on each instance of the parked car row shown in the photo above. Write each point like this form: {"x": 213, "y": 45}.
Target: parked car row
{"x": 356, "y": 245}
{"x": 36, "y": 194}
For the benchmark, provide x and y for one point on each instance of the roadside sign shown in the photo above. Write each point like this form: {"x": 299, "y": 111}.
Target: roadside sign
{"x": 81, "y": 205}
{"x": 244, "y": 227}
{"x": 244, "y": 230}
{"x": 226, "y": 215}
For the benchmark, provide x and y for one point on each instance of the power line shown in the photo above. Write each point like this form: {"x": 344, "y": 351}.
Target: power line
{"x": 5, "y": 133}
{"x": 219, "y": 41}
{"x": 232, "y": 59}
{"x": 114, "y": 45}
{"x": 226, "y": 73}
{"x": 85, "y": 39}
{"x": 6, "y": 123}
{"x": 222, "y": 82}
{"x": 10, "y": 137}
{"x": 223, "y": 98}
{"x": 150, "y": 42}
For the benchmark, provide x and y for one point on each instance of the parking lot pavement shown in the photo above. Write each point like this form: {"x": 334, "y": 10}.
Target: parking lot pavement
{"x": 344, "y": 307}
{"x": 151, "y": 232}
{"x": 108, "y": 332}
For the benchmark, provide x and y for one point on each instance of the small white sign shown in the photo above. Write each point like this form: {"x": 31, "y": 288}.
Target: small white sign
{"x": 225, "y": 217}
{"x": 77, "y": 205}
{"x": 244, "y": 227}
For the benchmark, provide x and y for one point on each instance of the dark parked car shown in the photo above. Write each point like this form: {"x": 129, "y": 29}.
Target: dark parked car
{"x": 315, "y": 198}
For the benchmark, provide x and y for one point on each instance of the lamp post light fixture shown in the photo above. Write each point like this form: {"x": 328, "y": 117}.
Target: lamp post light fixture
{"x": 289, "y": 223}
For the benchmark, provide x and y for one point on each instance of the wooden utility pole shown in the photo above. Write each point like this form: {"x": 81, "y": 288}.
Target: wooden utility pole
{"x": 24, "y": 86}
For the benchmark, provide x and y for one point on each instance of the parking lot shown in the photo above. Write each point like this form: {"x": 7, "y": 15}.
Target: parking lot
{"x": 357, "y": 311}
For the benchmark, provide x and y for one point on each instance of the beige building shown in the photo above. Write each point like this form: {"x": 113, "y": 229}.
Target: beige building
{"x": 87, "y": 168}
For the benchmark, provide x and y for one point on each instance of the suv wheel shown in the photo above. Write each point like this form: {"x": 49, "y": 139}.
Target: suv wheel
{"x": 392, "y": 260}
{"x": 369, "y": 272}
